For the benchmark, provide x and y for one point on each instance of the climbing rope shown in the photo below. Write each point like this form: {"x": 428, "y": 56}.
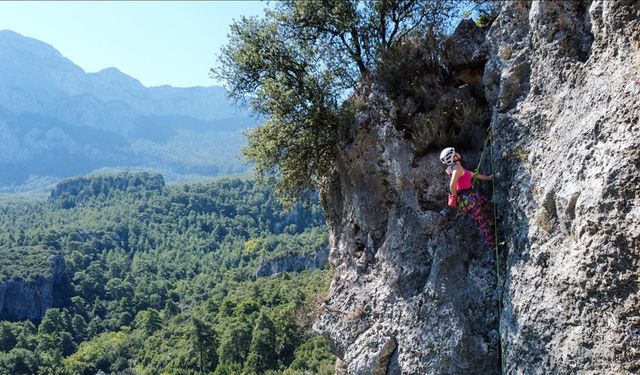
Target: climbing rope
{"x": 495, "y": 240}
{"x": 477, "y": 170}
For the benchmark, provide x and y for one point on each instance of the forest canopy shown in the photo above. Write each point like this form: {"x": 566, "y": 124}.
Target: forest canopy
{"x": 163, "y": 279}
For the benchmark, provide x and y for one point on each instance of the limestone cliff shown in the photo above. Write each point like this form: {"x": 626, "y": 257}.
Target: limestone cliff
{"x": 294, "y": 262}
{"x": 415, "y": 291}
{"x": 38, "y": 282}
{"x": 565, "y": 81}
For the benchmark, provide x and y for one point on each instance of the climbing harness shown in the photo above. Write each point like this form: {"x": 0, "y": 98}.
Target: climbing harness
{"x": 477, "y": 206}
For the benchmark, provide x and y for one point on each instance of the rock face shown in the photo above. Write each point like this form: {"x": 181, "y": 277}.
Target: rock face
{"x": 414, "y": 288}
{"x": 22, "y": 299}
{"x": 294, "y": 262}
{"x": 415, "y": 291}
{"x": 564, "y": 79}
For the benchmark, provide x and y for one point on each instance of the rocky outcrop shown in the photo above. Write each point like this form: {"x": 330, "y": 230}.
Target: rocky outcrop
{"x": 415, "y": 291}
{"x": 294, "y": 262}
{"x": 564, "y": 79}
{"x": 23, "y": 298}
{"x": 465, "y": 54}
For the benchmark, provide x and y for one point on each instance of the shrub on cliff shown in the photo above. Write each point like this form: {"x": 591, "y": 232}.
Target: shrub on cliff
{"x": 298, "y": 63}
{"x": 426, "y": 80}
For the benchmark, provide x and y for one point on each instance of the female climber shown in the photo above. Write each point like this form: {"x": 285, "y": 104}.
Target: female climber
{"x": 464, "y": 198}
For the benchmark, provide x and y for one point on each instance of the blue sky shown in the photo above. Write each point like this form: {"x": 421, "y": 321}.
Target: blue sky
{"x": 164, "y": 42}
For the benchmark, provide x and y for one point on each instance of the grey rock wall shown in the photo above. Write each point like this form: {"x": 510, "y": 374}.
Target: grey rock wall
{"x": 29, "y": 299}
{"x": 564, "y": 79}
{"x": 294, "y": 262}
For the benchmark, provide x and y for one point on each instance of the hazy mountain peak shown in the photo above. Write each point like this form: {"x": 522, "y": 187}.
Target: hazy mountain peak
{"x": 113, "y": 80}
{"x": 9, "y": 38}
{"x": 61, "y": 121}
{"x": 35, "y": 77}
{"x": 115, "y": 74}
{"x": 15, "y": 45}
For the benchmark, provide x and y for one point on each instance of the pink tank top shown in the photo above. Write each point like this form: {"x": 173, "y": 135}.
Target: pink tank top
{"x": 464, "y": 182}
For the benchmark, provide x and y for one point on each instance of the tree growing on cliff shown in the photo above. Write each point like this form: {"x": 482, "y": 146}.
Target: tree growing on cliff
{"x": 298, "y": 63}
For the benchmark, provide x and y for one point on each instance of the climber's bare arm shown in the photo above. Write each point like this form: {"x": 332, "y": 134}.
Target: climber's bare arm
{"x": 482, "y": 177}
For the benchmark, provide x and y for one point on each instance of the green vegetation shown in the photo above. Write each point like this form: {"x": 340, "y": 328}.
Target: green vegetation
{"x": 164, "y": 280}
{"x": 300, "y": 63}
{"x": 75, "y": 190}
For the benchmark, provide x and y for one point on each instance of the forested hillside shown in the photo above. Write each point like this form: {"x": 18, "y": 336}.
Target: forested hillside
{"x": 163, "y": 280}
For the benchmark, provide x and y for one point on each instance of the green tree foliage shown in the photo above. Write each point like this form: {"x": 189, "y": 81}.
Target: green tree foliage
{"x": 52, "y": 322}
{"x": 18, "y": 361}
{"x": 313, "y": 356}
{"x": 297, "y": 65}
{"x": 286, "y": 84}
{"x": 101, "y": 353}
{"x": 148, "y": 321}
{"x": 8, "y": 337}
{"x": 25, "y": 262}
{"x": 486, "y": 10}
{"x": 79, "y": 327}
{"x": 262, "y": 351}
{"x": 235, "y": 341}
{"x": 202, "y": 343}
{"x": 72, "y": 191}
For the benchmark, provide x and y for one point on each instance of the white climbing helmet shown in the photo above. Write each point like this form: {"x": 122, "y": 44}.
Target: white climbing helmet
{"x": 446, "y": 156}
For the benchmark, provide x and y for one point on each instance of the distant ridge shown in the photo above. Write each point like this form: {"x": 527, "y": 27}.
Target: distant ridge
{"x": 58, "y": 121}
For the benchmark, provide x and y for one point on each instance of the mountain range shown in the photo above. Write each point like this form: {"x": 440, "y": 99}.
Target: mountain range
{"x": 57, "y": 121}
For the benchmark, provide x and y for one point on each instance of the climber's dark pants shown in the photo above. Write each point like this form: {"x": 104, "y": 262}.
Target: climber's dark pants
{"x": 478, "y": 206}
